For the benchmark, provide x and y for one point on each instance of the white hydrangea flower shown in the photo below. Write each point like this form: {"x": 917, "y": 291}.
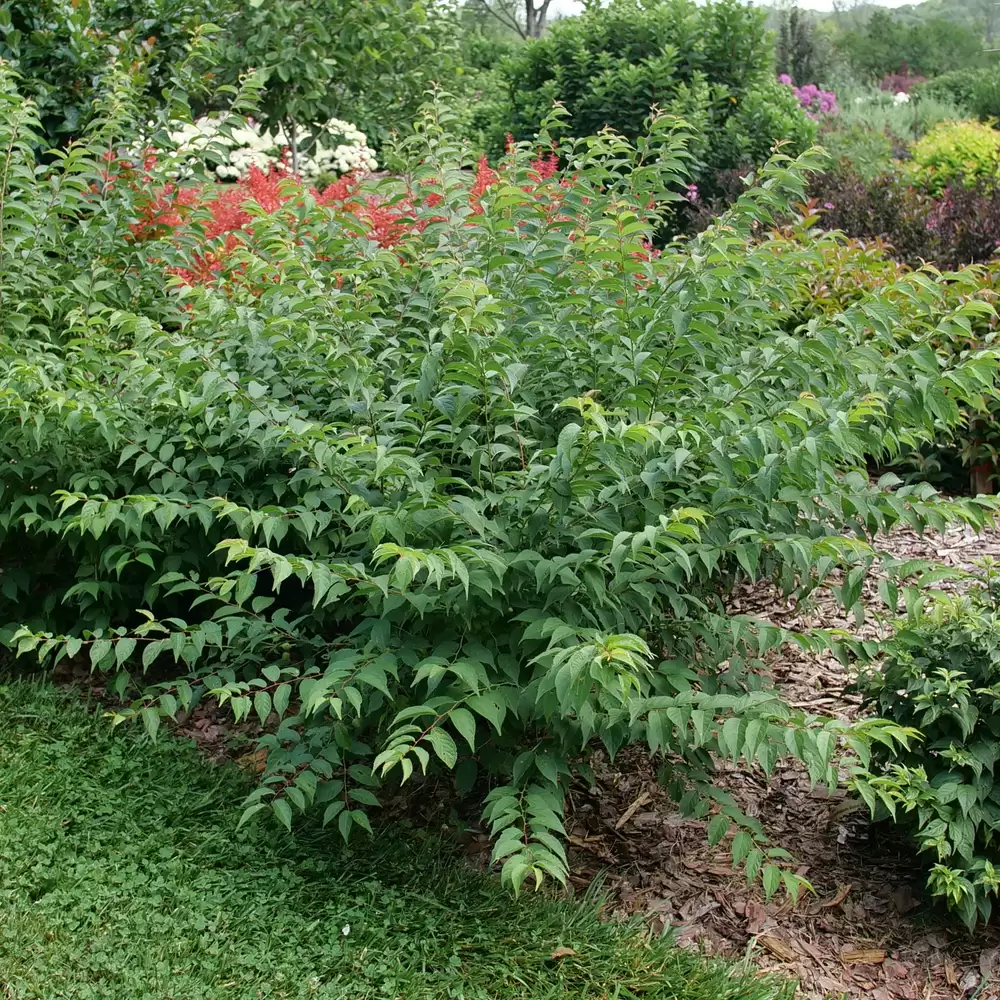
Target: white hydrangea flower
{"x": 339, "y": 147}
{"x": 901, "y": 98}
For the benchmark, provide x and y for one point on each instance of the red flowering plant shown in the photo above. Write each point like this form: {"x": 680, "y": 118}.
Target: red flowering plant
{"x": 209, "y": 228}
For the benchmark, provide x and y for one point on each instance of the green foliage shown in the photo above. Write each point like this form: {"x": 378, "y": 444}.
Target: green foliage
{"x": 854, "y": 268}
{"x": 956, "y": 153}
{"x": 932, "y": 47}
{"x": 371, "y": 63}
{"x": 875, "y": 111}
{"x": 765, "y": 115}
{"x": 66, "y": 53}
{"x": 484, "y": 46}
{"x": 801, "y": 51}
{"x": 711, "y": 64}
{"x": 319, "y": 59}
{"x": 985, "y": 104}
{"x": 976, "y": 91}
{"x": 957, "y": 85}
{"x": 868, "y": 151}
{"x": 941, "y": 676}
{"x": 468, "y": 499}
{"x": 485, "y": 100}
{"x": 484, "y": 110}
{"x": 123, "y": 878}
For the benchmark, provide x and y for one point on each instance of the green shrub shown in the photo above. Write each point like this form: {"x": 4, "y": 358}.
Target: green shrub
{"x": 764, "y": 115}
{"x": 370, "y": 63}
{"x": 986, "y": 97}
{"x": 866, "y": 150}
{"x": 956, "y": 153}
{"x": 712, "y": 64}
{"x": 903, "y": 122}
{"x": 941, "y": 676}
{"x": 483, "y": 50}
{"x": 319, "y": 59}
{"x": 484, "y": 104}
{"x": 449, "y": 471}
{"x": 484, "y": 109}
{"x": 957, "y": 85}
{"x": 67, "y": 53}
{"x": 976, "y": 91}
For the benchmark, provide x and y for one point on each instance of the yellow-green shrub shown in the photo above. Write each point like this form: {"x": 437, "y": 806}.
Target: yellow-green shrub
{"x": 963, "y": 152}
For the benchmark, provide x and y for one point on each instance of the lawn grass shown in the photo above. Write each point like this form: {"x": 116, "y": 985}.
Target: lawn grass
{"x": 122, "y": 876}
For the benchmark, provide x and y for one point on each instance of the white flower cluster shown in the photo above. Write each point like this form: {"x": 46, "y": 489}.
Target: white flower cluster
{"x": 901, "y": 98}
{"x": 339, "y": 147}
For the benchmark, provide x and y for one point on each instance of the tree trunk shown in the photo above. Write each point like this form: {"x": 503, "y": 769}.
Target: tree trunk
{"x": 535, "y": 18}
{"x": 981, "y": 478}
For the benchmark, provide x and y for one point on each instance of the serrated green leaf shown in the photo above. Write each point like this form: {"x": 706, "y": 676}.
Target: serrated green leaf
{"x": 283, "y": 811}
{"x": 771, "y": 879}
{"x": 444, "y": 746}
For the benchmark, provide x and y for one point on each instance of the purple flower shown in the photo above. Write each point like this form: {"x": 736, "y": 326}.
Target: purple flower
{"x": 828, "y": 205}
{"x": 785, "y": 79}
{"x": 692, "y": 193}
{"x": 814, "y": 101}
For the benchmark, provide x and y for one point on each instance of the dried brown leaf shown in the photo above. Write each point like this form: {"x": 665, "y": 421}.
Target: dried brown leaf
{"x": 904, "y": 900}
{"x": 757, "y": 917}
{"x": 254, "y": 762}
{"x": 841, "y": 894}
{"x": 950, "y": 972}
{"x": 989, "y": 962}
{"x": 563, "y": 952}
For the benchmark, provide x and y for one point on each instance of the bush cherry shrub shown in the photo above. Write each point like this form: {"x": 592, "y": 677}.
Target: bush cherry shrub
{"x": 448, "y": 471}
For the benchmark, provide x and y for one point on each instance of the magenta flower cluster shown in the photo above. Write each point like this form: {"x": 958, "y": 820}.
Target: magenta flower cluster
{"x": 815, "y": 101}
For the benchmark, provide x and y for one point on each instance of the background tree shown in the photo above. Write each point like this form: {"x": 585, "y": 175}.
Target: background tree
{"x": 64, "y": 52}
{"x": 525, "y": 18}
{"x": 799, "y": 53}
{"x": 371, "y": 62}
{"x": 885, "y": 43}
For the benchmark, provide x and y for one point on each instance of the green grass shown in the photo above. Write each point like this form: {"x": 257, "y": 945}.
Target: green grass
{"x": 122, "y": 876}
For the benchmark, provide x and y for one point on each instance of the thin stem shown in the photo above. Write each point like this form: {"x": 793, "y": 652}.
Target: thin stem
{"x": 8, "y": 156}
